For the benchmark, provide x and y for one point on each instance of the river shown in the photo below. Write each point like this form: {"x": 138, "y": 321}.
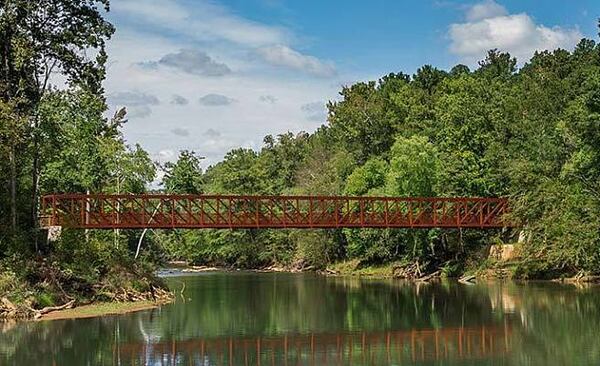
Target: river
{"x": 245, "y": 318}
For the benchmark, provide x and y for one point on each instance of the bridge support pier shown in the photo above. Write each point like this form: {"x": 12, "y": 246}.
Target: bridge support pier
{"x": 54, "y": 233}
{"x": 503, "y": 252}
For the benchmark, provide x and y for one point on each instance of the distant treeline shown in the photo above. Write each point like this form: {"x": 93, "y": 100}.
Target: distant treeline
{"x": 530, "y": 133}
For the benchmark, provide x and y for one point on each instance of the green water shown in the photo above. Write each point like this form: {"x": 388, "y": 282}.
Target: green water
{"x": 304, "y": 319}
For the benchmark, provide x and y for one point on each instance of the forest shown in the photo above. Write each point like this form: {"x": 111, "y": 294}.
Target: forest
{"x": 528, "y": 131}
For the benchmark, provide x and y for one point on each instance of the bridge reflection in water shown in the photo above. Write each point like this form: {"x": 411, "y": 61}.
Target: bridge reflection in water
{"x": 352, "y": 348}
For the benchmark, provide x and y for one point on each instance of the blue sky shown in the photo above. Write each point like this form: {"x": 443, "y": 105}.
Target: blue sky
{"x": 212, "y": 75}
{"x": 379, "y": 36}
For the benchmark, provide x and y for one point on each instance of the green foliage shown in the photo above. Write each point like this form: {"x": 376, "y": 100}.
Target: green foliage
{"x": 315, "y": 248}
{"x": 55, "y": 140}
{"x": 38, "y": 39}
{"x": 414, "y": 167}
{"x": 531, "y": 134}
{"x": 239, "y": 173}
{"x": 365, "y": 178}
{"x": 185, "y": 175}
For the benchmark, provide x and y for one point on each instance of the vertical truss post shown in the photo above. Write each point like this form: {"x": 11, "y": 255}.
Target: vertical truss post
{"x": 310, "y": 212}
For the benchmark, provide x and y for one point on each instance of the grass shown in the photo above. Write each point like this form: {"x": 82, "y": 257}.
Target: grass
{"x": 100, "y": 309}
{"x": 353, "y": 268}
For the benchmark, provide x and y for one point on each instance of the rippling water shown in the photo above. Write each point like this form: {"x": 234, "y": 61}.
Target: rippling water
{"x": 303, "y": 319}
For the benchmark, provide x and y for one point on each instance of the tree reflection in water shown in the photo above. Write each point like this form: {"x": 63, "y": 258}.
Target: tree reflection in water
{"x": 249, "y": 318}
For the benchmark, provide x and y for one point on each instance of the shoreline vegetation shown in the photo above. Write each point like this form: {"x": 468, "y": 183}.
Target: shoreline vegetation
{"x": 352, "y": 268}
{"x": 527, "y": 131}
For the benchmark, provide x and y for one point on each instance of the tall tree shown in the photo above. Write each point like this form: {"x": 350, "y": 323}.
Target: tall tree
{"x": 37, "y": 39}
{"x": 185, "y": 175}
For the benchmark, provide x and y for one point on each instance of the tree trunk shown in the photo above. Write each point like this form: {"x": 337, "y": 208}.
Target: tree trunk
{"x": 13, "y": 189}
{"x": 35, "y": 179}
{"x": 87, "y": 217}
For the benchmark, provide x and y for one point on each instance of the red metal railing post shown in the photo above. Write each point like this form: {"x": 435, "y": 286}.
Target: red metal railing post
{"x": 54, "y": 213}
{"x": 387, "y": 209}
{"x": 229, "y": 213}
{"x": 202, "y": 211}
{"x": 143, "y": 200}
{"x": 310, "y": 212}
{"x": 361, "y": 208}
{"x": 481, "y": 206}
{"x": 257, "y": 209}
{"x": 172, "y": 212}
{"x": 337, "y": 214}
{"x": 283, "y": 218}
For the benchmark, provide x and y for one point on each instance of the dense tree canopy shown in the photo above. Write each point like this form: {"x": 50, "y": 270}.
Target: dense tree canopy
{"x": 529, "y": 133}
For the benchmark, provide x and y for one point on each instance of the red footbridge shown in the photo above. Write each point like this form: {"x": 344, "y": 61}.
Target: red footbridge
{"x": 168, "y": 211}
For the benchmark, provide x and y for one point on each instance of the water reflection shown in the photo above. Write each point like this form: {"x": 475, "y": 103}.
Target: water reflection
{"x": 284, "y": 319}
{"x": 350, "y": 348}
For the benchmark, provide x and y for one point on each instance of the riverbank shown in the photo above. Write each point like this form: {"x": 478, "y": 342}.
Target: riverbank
{"x": 41, "y": 286}
{"x": 352, "y": 268}
{"x": 102, "y": 309}
{"x": 24, "y": 311}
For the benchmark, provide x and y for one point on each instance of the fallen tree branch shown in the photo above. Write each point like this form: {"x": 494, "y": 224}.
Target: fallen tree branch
{"x": 49, "y": 309}
{"x": 430, "y": 276}
{"x": 467, "y": 280}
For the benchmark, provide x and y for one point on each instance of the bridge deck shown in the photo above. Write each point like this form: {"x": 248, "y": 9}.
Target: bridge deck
{"x": 99, "y": 211}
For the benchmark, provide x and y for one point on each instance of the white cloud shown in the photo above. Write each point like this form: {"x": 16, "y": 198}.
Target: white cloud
{"x": 315, "y": 111}
{"x": 183, "y": 132}
{"x": 210, "y": 131}
{"x": 191, "y": 61}
{"x": 484, "y": 10}
{"x": 489, "y": 26}
{"x": 204, "y": 20}
{"x": 281, "y": 55}
{"x": 177, "y": 99}
{"x": 137, "y": 103}
{"x": 133, "y": 98}
{"x": 270, "y": 99}
{"x": 214, "y": 100}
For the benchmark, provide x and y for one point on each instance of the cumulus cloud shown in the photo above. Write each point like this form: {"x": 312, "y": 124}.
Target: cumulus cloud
{"x": 484, "y": 10}
{"x": 177, "y": 99}
{"x": 488, "y": 25}
{"x": 180, "y": 132}
{"x": 270, "y": 99}
{"x": 137, "y": 103}
{"x": 284, "y": 56}
{"x": 192, "y": 62}
{"x": 134, "y": 98}
{"x": 213, "y": 100}
{"x": 315, "y": 111}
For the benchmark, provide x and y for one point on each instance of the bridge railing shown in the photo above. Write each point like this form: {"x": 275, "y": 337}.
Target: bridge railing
{"x": 237, "y": 211}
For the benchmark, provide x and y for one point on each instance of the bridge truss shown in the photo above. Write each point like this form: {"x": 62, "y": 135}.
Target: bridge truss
{"x": 162, "y": 211}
